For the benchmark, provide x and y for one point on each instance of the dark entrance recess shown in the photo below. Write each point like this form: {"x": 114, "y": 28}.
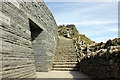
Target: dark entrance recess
{"x": 35, "y": 29}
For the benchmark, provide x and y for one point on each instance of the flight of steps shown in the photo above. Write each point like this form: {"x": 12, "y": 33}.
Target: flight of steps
{"x": 65, "y": 58}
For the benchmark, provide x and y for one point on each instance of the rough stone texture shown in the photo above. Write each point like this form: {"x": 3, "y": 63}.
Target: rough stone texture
{"x": 19, "y": 53}
{"x": 102, "y": 64}
{"x": 100, "y": 60}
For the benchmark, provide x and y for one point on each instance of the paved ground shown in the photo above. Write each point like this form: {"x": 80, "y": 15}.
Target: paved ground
{"x": 60, "y": 74}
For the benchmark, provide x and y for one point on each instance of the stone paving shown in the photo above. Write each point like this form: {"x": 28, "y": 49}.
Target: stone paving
{"x": 61, "y": 74}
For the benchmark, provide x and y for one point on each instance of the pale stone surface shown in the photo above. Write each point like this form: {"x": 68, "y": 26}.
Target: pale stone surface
{"x": 61, "y": 74}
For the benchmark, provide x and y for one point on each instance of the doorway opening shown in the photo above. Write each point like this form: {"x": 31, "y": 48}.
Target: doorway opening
{"x": 35, "y": 30}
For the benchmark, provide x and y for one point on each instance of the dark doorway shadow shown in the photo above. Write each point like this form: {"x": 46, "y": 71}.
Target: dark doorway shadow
{"x": 35, "y": 29}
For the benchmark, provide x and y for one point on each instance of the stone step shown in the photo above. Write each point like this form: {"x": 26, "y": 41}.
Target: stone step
{"x": 65, "y": 42}
{"x": 65, "y": 69}
{"x": 74, "y": 55}
{"x": 70, "y": 59}
{"x": 63, "y": 63}
{"x": 71, "y": 54}
{"x": 65, "y": 66}
{"x": 65, "y": 55}
{"x": 65, "y": 48}
{"x": 61, "y": 56}
{"x": 66, "y": 45}
{"x": 65, "y": 60}
{"x": 69, "y": 46}
{"x": 66, "y": 51}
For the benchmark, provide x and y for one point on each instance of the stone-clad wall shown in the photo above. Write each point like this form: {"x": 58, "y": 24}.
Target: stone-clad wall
{"x": 47, "y": 38}
{"x": 43, "y": 53}
{"x": 17, "y": 60}
{"x": 17, "y": 52}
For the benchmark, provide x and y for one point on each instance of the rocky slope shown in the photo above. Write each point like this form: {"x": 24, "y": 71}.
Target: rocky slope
{"x": 73, "y": 33}
{"x": 101, "y": 60}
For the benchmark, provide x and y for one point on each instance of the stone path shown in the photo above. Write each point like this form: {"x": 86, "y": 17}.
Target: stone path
{"x": 61, "y": 74}
{"x": 65, "y": 57}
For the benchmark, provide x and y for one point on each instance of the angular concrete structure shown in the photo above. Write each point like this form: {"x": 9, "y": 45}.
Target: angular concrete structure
{"x": 28, "y": 35}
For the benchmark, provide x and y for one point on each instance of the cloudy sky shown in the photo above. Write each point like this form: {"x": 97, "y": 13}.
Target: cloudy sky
{"x": 97, "y": 20}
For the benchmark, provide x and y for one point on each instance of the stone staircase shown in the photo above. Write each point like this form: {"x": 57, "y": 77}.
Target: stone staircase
{"x": 65, "y": 58}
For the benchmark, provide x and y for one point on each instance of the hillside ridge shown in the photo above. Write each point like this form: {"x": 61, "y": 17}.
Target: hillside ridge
{"x": 74, "y": 33}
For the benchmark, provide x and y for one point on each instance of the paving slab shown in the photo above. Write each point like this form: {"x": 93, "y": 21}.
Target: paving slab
{"x": 61, "y": 74}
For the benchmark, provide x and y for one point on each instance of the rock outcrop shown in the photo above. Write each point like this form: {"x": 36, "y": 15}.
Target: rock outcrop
{"x": 73, "y": 33}
{"x": 101, "y": 60}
